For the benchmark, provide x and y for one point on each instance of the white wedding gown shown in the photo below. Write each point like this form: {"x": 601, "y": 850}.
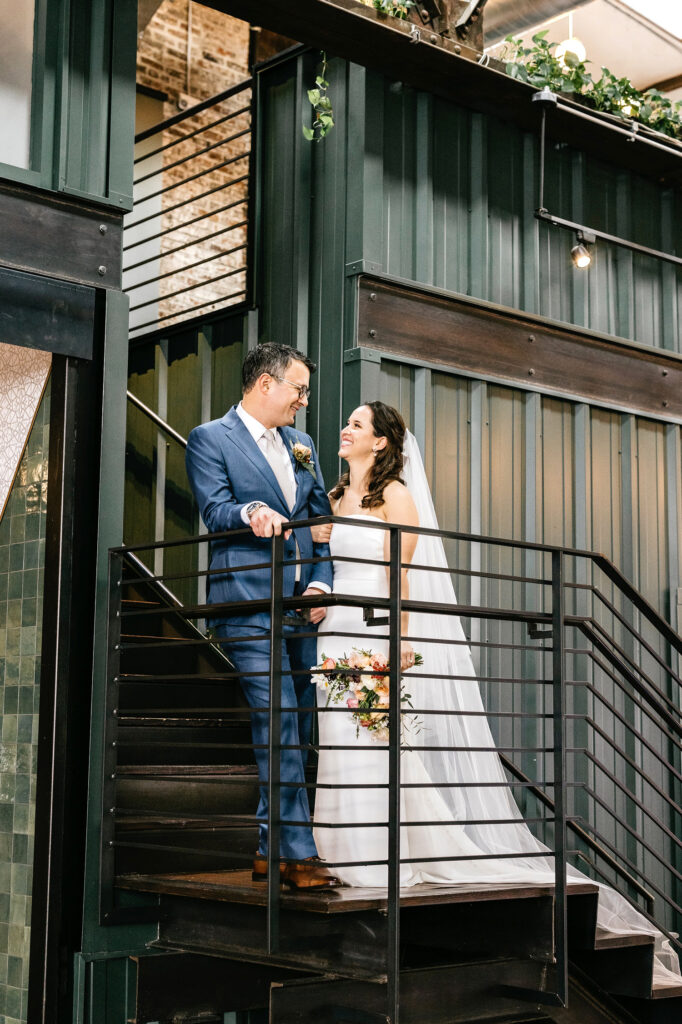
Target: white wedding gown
{"x": 354, "y": 840}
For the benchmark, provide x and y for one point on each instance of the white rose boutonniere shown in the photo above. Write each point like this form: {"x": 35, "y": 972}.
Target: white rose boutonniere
{"x": 303, "y": 455}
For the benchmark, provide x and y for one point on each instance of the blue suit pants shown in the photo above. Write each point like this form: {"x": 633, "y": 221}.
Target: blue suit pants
{"x": 253, "y": 658}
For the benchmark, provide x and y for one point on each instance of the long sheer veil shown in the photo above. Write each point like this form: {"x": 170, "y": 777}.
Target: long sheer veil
{"x": 474, "y": 759}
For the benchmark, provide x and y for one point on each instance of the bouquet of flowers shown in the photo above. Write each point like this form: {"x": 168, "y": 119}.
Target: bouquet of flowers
{"x": 360, "y": 680}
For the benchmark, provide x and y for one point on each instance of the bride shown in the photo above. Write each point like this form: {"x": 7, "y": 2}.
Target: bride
{"x": 459, "y": 820}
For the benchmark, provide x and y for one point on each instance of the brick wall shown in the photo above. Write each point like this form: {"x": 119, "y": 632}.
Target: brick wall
{"x": 201, "y": 221}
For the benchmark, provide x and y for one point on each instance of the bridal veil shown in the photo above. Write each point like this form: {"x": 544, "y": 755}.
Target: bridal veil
{"x": 454, "y": 722}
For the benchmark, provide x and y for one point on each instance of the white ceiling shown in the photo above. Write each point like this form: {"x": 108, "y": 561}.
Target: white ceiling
{"x": 620, "y": 38}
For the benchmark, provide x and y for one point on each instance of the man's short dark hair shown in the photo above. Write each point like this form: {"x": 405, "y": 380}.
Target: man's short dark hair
{"x": 273, "y": 359}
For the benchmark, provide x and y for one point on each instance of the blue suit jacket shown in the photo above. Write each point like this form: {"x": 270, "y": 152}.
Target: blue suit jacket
{"x": 227, "y": 470}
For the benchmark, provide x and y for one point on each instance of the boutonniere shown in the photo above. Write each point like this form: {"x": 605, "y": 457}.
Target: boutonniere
{"x": 303, "y": 455}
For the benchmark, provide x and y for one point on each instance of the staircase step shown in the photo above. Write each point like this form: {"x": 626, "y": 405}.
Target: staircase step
{"x": 205, "y": 790}
{"x": 185, "y": 850}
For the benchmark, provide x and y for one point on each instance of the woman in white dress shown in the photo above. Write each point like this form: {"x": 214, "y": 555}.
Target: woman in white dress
{"x": 385, "y": 482}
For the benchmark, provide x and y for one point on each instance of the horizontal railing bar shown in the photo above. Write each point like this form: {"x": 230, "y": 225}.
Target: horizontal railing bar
{"x": 184, "y": 115}
{"x": 188, "y": 288}
{"x": 185, "y": 202}
{"x": 192, "y": 156}
{"x": 193, "y": 177}
{"x": 121, "y": 813}
{"x": 167, "y": 429}
{"x": 379, "y": 524}
{"x": 185, "y": 313}
{"x": 158, "y": 256}
{"x": 209, "y": 126}
{"x": 184, "y": 224}
{"x": 190, "y": 266}
{"x": 206, "y": 713}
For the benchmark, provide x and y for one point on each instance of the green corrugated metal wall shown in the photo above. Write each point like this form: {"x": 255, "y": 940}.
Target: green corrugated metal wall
{"x": 415, "y": 187}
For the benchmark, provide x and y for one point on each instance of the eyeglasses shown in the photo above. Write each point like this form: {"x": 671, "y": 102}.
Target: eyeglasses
{"x": 303, "y": 389}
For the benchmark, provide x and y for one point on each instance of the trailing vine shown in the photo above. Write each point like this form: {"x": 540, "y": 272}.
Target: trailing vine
{"x": 323, "y": 121}
{"x": 394, "y": 8}
{"x": 540, "y": 67}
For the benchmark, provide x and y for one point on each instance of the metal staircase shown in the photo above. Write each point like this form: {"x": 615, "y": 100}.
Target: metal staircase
{"x": 604, "y": 732}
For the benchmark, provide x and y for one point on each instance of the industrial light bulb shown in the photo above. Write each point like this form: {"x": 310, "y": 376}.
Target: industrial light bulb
{"x": 581, "y": 256}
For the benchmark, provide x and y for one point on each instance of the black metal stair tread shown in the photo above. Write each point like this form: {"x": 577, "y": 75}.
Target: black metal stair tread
{"x": 667, "y": 992}
{"x": 184, "y": 771}
{"x": 610, "y": 941}
{"x": 169, "y": 821}
{"x": 236, "y": 886}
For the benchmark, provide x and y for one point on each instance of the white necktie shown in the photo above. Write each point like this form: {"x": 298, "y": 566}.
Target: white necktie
{"x": 273, "y": 453}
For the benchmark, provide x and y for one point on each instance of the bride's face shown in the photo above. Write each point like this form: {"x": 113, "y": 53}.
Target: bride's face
{"x": 358, "y": 439}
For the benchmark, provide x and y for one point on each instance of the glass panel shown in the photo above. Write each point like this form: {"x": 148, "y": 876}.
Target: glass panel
{"x": 22, "y": 542}
{"x": 16, "y": 80}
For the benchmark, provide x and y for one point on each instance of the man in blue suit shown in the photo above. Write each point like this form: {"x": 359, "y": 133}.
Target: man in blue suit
{"x": 253, "y": 469}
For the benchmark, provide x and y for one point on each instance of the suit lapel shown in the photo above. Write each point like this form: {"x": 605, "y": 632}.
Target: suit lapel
{"x": 240, "y": 436}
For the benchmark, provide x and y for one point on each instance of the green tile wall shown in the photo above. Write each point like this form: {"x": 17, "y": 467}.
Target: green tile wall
{"x": 22, "y": 544}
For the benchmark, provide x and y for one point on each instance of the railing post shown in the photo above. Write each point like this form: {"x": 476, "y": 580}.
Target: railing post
{"x": 394, "y": 743}
{"x": 107, "y": 866}
{"x": 559, "y": 737}
{"x": 275, "y": 740}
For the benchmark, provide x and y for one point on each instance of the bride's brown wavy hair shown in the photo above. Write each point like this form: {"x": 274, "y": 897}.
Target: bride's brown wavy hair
{"x": 388, "y": 462}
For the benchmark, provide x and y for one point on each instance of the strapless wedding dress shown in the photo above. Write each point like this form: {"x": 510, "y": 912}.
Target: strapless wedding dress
{"x": 358, "y": 772}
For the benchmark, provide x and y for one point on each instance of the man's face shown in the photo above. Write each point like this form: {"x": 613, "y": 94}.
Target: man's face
{"x": 283, "y": 399}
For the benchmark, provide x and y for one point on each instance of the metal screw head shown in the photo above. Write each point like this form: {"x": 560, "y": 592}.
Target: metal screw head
{"x": 666, "y": 404}
{"x": 103, "y": 229}
{"x": 372, "y": 296}
{"x": 101, "y": 270}
{"x": 531, "y": 372}
{"x": 531, "y": 337}
{"x": 372, "y": 333}
{"x": 664, "y": 373}
{"x": 458, "y": 49}
{"x": 433, "y": 39}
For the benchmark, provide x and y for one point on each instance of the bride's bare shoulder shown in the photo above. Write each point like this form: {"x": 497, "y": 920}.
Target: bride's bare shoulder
{"x": 399, "y": 504}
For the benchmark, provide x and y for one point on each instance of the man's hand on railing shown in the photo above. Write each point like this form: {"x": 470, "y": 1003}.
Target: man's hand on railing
{"x": 265, "y": 522}
{"x": 316, "y": 614}
{"x": 321, "y": 534}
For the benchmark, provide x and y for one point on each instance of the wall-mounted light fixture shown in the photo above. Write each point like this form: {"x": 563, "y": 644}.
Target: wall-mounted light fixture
{"x": 547, "y": 100}
{"x": 580, "y": 253}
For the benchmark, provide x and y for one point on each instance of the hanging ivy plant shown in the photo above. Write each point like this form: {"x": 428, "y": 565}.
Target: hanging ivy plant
{"x": 394, "y": 8}
{"x": 323, "y": 121}
{"x": 539, "y": 66}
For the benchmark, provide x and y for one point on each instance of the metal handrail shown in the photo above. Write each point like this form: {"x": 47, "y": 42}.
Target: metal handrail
{"x": 155, "y": 418}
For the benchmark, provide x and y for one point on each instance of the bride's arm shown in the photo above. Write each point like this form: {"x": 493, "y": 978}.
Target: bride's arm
{"x": 400, "y": 508}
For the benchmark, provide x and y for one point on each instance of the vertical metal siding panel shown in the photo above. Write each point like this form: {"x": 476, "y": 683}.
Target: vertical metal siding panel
{"x": 479, "y": 241}
{"x": 451, "y": 191}
{"x": 423, "y": 229}
{"x": 670, "y": 237}
{"x": 579, "y": 281}
{"x": 505, "y": 203}
{"x": 529, "y": 260}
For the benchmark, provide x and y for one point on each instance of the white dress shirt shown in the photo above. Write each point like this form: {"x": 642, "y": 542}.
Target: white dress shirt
{"x": 258, "y": 432}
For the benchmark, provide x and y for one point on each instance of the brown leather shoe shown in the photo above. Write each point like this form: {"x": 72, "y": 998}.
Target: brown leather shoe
{"x": 309, "y": 874}
{"x": 260, "y": 869}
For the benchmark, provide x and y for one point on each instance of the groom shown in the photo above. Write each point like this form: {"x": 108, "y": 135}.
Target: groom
{"x": 251, "y": 469}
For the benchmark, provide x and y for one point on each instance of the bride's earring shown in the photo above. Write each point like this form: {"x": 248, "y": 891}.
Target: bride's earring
{"x": 375, "y": 451}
